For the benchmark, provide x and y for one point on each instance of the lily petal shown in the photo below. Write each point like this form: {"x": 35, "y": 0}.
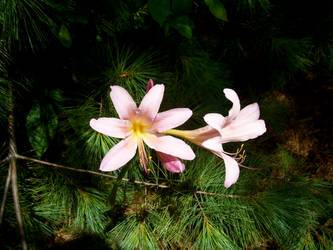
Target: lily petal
{"x": 151, "y": 102}
{"x": 213, "y": 144}
{"x": 215, "y": 120}
{"x": 231, "y": 170}
{"x": 170, "y": 145}
{"x": 233, "y": 97}
{"x": 119, "y": 154}
{"x": 170, "y": 119}
{"x": 248, "y": 114}
{"x": 243, "y": 132}
{"x": 171, "y": 163}
{"x": 123, "y": 102}
{"x": 111, "y": 126}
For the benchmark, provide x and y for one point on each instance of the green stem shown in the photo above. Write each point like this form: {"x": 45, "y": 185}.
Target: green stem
{"x": 181, "y": 133}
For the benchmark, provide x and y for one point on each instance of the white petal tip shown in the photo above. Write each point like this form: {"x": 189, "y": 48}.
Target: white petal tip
{"x": 192, "y": 157}
{"x": 215, "y": 120}
{"x": 104, "y": 169}
{"x": 189, "y": 112}
{"x": 92, "y": 121}
{"x": 228, "y": 91}
{"x": 92, "y": 124}
{"x": 227, "y": 185}
{"x": 107, "y": 168}
{"x": 159, "y": 86}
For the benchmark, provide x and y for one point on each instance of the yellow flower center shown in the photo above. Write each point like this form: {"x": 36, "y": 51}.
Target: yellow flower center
{"x": 138, "y": 128}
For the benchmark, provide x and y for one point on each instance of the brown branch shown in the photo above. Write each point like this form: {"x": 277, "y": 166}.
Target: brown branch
{"x": 12, "y": 166}
{"x": 221, "y": 195}
{"x": 4, "y": 160}
{"x": 122, "y": 179}
{"x": 89, "y": 172}
{"x": 199, "y": 204}
{"x": 100, "y": 107}
{"x": 5, "y": 192}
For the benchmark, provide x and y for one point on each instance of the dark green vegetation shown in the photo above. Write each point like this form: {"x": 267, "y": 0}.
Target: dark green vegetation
{"x": 57, "y": 61}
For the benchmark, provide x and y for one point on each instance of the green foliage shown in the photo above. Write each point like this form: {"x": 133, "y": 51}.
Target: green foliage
{"x": 41, "y": 126}
{"x": 133, "y": 71}
{"x": 24, "y": 23}
{"x": 72, "y": 51}
{"x": 173, "y": 14}
{"x": 212, "y": 238}
{"x": 65, "y": 36}
{"x": 181, "y": 6}
{"x": 183, "y": 24}
{"x": 133, "y": 233}
{"x": 4, "y": 102}
{"x": 295, "y": 53}
{"x": 159, "y": 9}
{"x": 255, "y": 5}
{"x": 4, "y": 57}
{"x": 217, "y": 9}
{"x": 59, "y": 199}
{"x": 275, "y": 113}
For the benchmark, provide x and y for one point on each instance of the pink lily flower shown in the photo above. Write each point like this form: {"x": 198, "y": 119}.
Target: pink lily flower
{"x": 171, "y": 163}
{"x": 239, "y": 125}
{"x": 139, "y": 125}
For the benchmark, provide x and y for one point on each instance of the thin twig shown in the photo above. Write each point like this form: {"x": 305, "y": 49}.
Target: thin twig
{"x": 145, "y": 198}
{"x": 221, "y": 195}
{"x": 89, "y": 172}
{"x": 123, "y": 179}
{"x": 4, "y": 160}
{"x": 199, "y": 204}
{"x": 12, "y": 166}
{"x": 5, "y": 192}
{"x": 100, "y": 107}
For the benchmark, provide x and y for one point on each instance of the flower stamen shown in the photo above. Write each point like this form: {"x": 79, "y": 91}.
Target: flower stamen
{"x": 239, "y": 156}
{"x": 144, "y": 160}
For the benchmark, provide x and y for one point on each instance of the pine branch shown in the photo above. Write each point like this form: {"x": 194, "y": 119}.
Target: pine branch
{"x": 222, "y": 195}
{"x": 4, "y": 160}
{"x": 122, "y": 179}
{"x": 13, "y": 170}
{"x": 5, "y": 192}
{"x": 199, "y": 204}
{"x": 88, "y": 171}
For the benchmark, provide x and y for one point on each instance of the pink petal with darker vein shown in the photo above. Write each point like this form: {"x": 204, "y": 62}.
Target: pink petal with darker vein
{"x": 170, "y": 145}
{"x": 123, "y": 102}
{"x": 111, "y": 126}
{"x": 170, "y": 119}
{"x": 119, "y": 154}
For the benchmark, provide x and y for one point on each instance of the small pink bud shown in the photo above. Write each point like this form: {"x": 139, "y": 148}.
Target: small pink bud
{"x": 150, "y": 84}
{"x": 171, "y": 163}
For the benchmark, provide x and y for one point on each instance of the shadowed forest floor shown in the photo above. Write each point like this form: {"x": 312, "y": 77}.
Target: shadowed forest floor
{"x": 310, "y": 130}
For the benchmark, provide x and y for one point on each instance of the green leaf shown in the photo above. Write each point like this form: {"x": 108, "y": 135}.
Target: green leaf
{"x": 184, "y": 25}
{"x": 217, "y": 9}
{"x": 182, "y": 6}
{"x": 159, "y": 10}
{"x": 41, "y": 124}
{"x": 64, "y": 36}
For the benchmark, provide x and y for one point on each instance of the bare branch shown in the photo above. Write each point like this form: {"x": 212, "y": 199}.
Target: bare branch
{"x": 5, "y": 192}
{"x": 199, "y": 204}
{"x": 222, "y": 195}
{"x": 13, "y": 171}
{"x": 122, "y": 179}
{"x": 89, "y": 172}
{"x": 4, "y": 160}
